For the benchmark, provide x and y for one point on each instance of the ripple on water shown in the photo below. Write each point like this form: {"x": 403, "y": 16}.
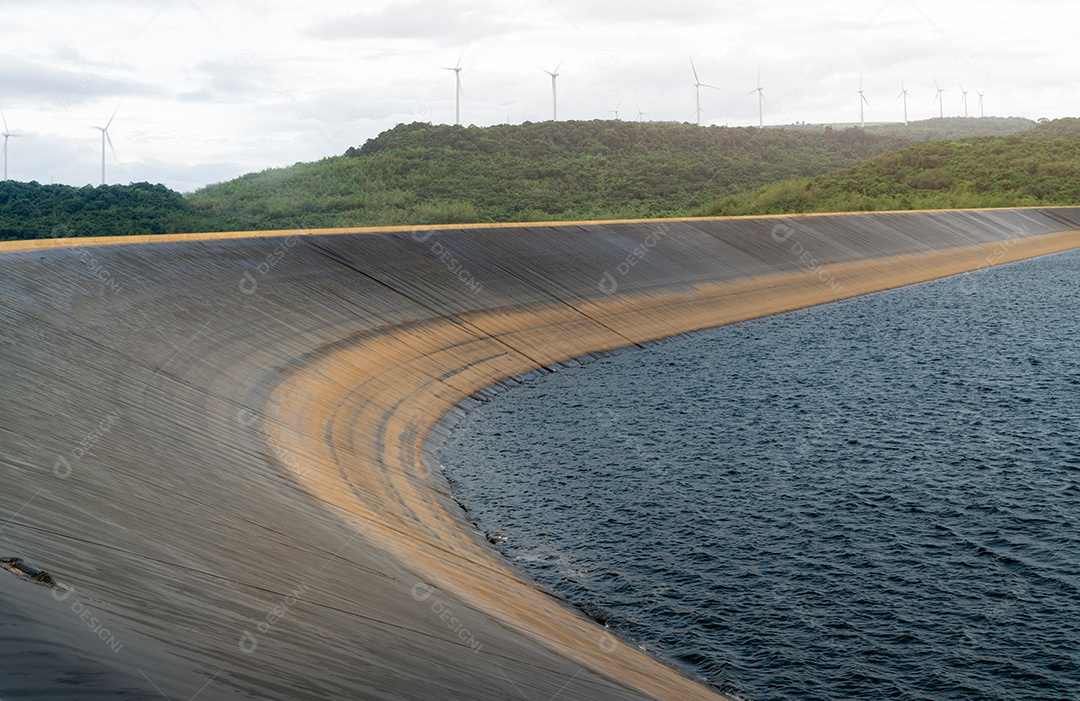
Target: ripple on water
{"x": 875, "y": 499}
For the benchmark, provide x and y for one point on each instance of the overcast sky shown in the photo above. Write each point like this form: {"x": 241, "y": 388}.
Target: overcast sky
{"x": 206, "y": 90}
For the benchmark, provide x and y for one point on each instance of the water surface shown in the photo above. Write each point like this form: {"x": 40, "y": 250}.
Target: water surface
{"x": 874, "y": 499}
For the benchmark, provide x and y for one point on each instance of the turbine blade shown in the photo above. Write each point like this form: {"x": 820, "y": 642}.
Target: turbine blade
{"x": 4, "y": 117}
{"x": 111, "y": 147}
{"x": 694, "y": 69}
{"x": 115, "y": 110}
{"x": 458, "y": 64}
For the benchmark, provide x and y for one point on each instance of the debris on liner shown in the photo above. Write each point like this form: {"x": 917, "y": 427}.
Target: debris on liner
{"x": 21, "y": 569}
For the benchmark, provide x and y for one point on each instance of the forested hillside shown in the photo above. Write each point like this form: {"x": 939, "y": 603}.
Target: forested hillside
{"x": 1037, "y": 167}
{"x": 31, "y": 211}
{"x": 423, "y": 174}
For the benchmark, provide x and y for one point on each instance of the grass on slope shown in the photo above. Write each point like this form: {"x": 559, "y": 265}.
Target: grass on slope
{"x": 1038, "y": 167}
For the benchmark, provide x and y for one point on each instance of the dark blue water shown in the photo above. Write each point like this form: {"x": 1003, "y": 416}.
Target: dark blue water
{"x": 875, "y": 499}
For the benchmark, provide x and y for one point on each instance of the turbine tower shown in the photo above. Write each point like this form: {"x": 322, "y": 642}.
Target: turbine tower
{"x": 862, "y": 101}
{"x": 698, "y": 85}
{"x": 760, "y": 101}
{"x": 981, "y": 113}
{"x": 963, "y": 98}
{"x": 937, "y": 98}
{"x": 554, "y": 100}
{"x": 6, "y": 134}
{"x": 457, "y": 90}
{"x": 903, "y": 94}
{"x": 105, "y": 137}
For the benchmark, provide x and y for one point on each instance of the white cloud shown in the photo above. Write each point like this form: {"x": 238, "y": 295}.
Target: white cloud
{"x": 410, "y": 21}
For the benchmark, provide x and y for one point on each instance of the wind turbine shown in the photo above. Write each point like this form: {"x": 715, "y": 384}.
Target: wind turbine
{"x": 903, "y": 94}
{"x": 7, "y": 134}
{"x": 862, "y": 101}
{"x": 981, "y": 113}
{"x": 760, "y": 100}
{"x": 963, "y": 98}
{"x": 937, "y": 98}
{"x": 554, "y": 102}
{"x": 640, "y": 114}
{"x": 457, "y": 90}
{"x": 616, "y": 110}
{"x": 105, "y": 137}
{"x": 698, "y": 85}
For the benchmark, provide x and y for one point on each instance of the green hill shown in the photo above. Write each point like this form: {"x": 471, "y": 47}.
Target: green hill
{"x": 35, "y": 211}
{"x": 603, "y": 169}
{"x": 1037, "y": 167}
